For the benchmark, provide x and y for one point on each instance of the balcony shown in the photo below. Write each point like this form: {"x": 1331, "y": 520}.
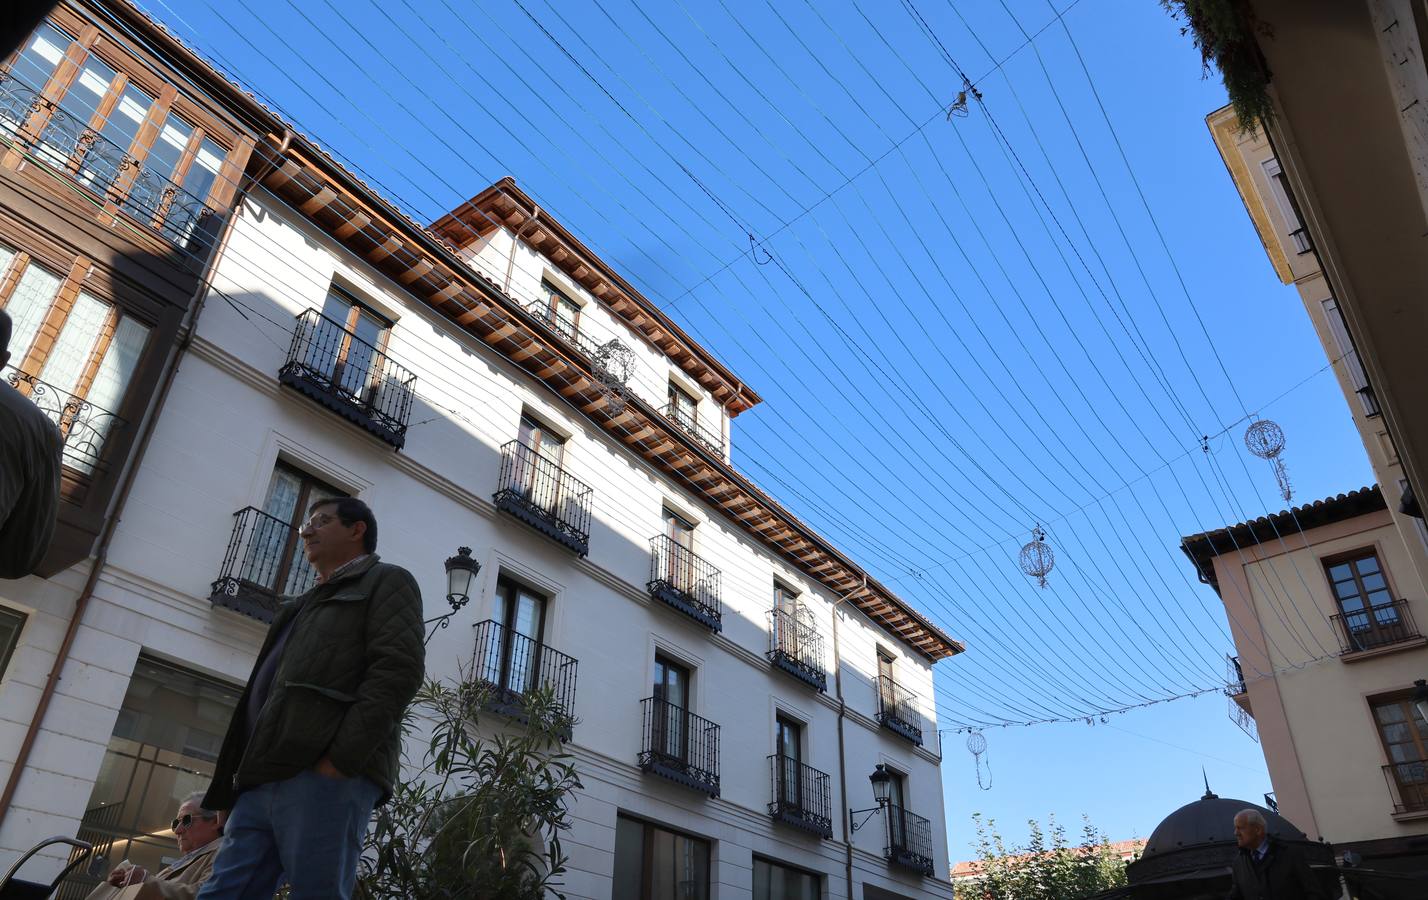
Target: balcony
{"x": 264, "y": 562}
{"x": 713, "y": 441}
{"x": 539, "y": 492}
{"x": 1300, "y": 237}
{"x": 84, "y": 426}
{"x": 1235, "y": 687}
{"x": 796, "y": 647}
{"x": 570, "y": 331}
{"x": 513, "y": 664}
{"x": 1408, "y": 785}
{"x": 680, "y": 746}
{"x": 909, "y": 841}
{"x": 684, "y": 582}
{"x": 65, "y": 143}
{"x": 897, "y": 710}
{"x": 349, "y": 376}
{"x": 801, "y": 796}
{"x": 1375, "y": 628}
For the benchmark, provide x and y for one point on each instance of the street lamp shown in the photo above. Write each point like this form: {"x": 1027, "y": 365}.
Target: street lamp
{"x": 882, "y": 785}
{"x": 1420, "y": 698}
{"x": 460, "y": 570}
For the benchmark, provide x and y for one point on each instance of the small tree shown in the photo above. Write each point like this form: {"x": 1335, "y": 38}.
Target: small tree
{"x": 1042, "y": 870}
{"x": 482, "y": 817}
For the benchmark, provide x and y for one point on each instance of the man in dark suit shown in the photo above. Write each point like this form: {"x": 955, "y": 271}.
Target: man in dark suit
{"x": 1266, "y": 868}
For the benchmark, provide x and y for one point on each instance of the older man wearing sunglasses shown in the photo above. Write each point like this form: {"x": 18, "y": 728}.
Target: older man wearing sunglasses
{"x": 197, "y": 830}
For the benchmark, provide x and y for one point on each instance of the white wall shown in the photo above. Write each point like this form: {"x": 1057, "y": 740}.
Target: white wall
{"x": 228, "y": 421}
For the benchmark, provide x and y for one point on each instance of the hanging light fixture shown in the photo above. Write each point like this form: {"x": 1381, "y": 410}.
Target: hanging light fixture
{"x": 1265, "y": 439}
{"x": 460, "y": 570}
{"x": 1036, "y": 558}
{"x": 881, "y": 780}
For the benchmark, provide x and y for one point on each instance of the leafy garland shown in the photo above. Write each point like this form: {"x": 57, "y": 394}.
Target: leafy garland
{"x": 1226, "y": 33}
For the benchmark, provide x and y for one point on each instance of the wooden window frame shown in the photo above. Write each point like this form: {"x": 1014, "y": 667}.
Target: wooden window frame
{"x": 307, "y": 482}
{"x": 552, "y": 304}
{"x": 675, "y": 390}
{"x": 1350, "y": 556}
{"x": 349, "y": 333}
{"x": 88, "y": 40}
{"x": 647, "y": 835}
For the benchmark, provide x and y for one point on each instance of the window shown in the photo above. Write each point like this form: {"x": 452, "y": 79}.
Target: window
{"x": 164, "y": 746}
{"x": 652, "y": 863}
{"x": 561, "y": 312}
{"x": 275, "y": 559}
{"x": 885, "y": 677}
{"x": 78, "y": 368}
{"x": 788, "y": 620}
{"x": 897, "y": 809}
{"x": 96, "y": 131}
{"x": 671, "y": 708}
{"x": 1405, "y": 742}
{"x": 788, "y": 744}
{"x": 1288, "y": 206}
{"x": 774, "y": 881}
{"x": 1352, "y": 364}
{"x": 1370, "y": 617}
{"x": 542, "y": 440}
{"x": 683, "y": 407}
{"x": 11, "y": 624}
{"x": 347, "y": 346}
{"x": 520, "y": 613}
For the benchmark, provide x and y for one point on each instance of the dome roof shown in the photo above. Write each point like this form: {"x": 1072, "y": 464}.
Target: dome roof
{"x": 1211, "y": 820}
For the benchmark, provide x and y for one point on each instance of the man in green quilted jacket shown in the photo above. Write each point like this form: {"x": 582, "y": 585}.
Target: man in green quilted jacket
{"x": 314, "y": 744}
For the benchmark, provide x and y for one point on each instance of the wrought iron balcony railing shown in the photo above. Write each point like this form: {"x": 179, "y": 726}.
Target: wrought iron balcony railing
{"x": 712, "y": 440}
{"x": 514, "y": 664}
{"x": 801, "y": 796}
{"x": 542, "y": 310}
{"x": 67, "y": 144}
{"x": 682, "y": 580}
{"x": 1408, "y": 785}
{"x": 796, "y": 647}
{"x": 537, "y": 490}
{"x": 1235, "y": 681}
{"x": 909, "y": 840}
{"x": 349, "y": 376}
{"x": 1375, "y": 626}
{"x": 678, "y": 745}
{"x": 264, "y": 562}
{"x": 84, "y": 426}
{"x": 898, "y": 711}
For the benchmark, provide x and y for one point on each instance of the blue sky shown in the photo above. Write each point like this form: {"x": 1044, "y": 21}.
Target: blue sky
{"x": 962, "y": 325}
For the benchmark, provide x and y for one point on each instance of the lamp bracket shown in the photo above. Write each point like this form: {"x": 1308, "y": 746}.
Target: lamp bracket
{"x": 852, "y": 813}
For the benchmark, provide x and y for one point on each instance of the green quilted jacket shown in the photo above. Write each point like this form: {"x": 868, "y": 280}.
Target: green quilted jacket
{"x": 352, "y": 662}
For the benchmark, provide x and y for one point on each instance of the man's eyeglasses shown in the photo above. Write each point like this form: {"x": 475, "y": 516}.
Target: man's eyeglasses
{"x": 316, "y": 522}
{"x": 186, "y": 820}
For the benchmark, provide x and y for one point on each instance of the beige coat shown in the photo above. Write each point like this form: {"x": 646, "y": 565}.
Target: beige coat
{"x": 181, "y": 883}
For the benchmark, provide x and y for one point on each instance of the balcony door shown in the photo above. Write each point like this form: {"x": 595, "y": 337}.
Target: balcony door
{"x": 683, "y": 408}
{"x": 1405, "y": 740}
{"x": 679, "y": 564}
{"x": 275, "y": 560}
{"x": 788, "y": 744}
{"x": 347, "y": 344}
{"x": 671, "y": 709}
{"x": 897, "y": 810}
{"x": 788, "y": 614}
{"x": 520, "y": 612}
{"x": 1361, "y": 590}
{"x": 562, "y": 313}
{"x": 887, "y": 693}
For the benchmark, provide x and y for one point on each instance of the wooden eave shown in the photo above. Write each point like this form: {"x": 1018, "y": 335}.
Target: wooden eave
{"x": 434, "y": 274}
{"x": 506, "y": 203}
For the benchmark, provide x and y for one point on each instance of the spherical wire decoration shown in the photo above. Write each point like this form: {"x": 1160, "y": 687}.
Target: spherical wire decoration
{"x": 1036, "y": 557}
{"x": 1265, "y": 439}
{"x": 977, "y": 745}
{"x": 614, "y": 364}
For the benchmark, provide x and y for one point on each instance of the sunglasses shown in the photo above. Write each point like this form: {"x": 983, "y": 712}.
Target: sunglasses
{"x": 186, "y": 820}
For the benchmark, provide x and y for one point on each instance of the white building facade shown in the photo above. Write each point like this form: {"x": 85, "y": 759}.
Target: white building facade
{"x": 467, "y": 389}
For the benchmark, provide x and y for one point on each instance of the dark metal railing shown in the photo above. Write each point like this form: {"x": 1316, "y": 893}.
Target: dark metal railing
{"x": 684, "y": 581}
{"x": 678, "y": 745}
{"x": 898, "y": 710}
{"x": 84, "y": 426}
{"x": 264, "y": 561}
{"x": 689, "y": 424}
{"x": 349, "y": 376}
{"x": 1235, "y": 677}
{"x": 800, "y": 795}
{"x": 1374, "y": 626}
{"x": 795, "y": 646}
{"x": 537, "y": 490}
{"x": 1408, "y": 785}
{"x": 514, "y": 664}
{"x": 543, "y": 310}
{"x": 67, "y": 143}
{"x": 909, "y": 840}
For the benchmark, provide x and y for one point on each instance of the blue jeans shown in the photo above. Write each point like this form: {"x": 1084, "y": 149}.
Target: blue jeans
{"x": 308, "y": 828}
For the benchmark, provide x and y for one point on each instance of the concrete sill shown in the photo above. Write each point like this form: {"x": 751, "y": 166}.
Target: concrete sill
{"x": 1412, "y": 816}
{"x": 1360, "y": 655}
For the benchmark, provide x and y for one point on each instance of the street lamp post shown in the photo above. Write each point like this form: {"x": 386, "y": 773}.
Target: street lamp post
{"x": 460, "y": 570}
{"x": 882, "y": 784}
